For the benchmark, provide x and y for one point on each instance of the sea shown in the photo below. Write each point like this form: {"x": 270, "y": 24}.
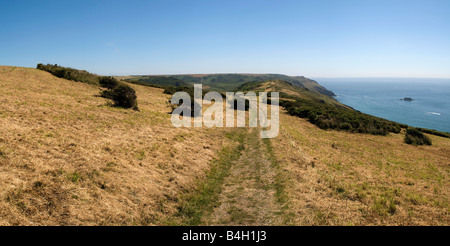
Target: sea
{"x": 430, "y": 107}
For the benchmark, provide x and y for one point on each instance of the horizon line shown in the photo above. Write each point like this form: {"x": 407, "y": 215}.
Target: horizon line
{"x": 270, "y": 73}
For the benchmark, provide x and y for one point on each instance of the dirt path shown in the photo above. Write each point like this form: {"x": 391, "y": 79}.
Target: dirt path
{"x": 248, "y": 195}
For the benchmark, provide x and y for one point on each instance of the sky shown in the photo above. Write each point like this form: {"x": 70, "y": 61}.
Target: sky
{"x": 317, "y": 38}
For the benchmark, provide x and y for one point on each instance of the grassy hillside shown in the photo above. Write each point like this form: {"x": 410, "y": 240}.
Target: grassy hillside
{"x": 340, "y": 178}
{"x": 68, "y": 158}
{"x": 229, "y": 82}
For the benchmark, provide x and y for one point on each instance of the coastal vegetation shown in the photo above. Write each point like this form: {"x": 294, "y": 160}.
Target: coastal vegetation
{"x": 415, "y": 137}
{"x": 70, "y": 73}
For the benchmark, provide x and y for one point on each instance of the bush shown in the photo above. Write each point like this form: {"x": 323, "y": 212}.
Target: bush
{"x": 416, "y": 137}
{"x": 123, "y": 96}
{"x": 108, "y": 82}
{"x": 108, "y": 94}
{"x": 70, "y": 73}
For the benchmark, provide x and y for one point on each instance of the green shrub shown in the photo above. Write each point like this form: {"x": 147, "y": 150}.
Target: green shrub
{"x": 108, "y": 94}
{"x": 416, "y": 137}
{"x": 108, "y": 82}
{"x": 70, "y": 73}
{"x": 124, "y": 96}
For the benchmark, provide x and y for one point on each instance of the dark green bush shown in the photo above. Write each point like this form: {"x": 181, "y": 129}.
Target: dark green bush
{"x": 123, "y": 96}
{"x": 108, "y": 82}
{"x": 70, "y": 73}
{"x": 415, "y": 137}
{"x": 108, "y": 94}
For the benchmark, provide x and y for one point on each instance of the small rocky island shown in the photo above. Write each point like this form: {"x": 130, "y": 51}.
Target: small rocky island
{"x": 408, "y": 99}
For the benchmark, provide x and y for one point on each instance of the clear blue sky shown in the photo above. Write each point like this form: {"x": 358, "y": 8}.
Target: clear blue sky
{"x": 317, "y": 38}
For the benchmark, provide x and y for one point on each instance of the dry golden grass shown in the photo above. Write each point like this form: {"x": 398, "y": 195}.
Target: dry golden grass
{"x": 67, "y": 158}
{"x": 339, "y": 178}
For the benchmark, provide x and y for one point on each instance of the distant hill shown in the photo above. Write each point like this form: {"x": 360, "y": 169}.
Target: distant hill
{"x": 157, "y": 81}
{"x": 227, "y": 82}
{"x": 290, "y": 91}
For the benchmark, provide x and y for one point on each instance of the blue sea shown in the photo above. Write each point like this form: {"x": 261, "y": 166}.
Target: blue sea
{"x": 381, "y": 97}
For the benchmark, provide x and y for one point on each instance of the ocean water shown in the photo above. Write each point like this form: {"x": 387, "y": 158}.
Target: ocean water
{"x": 381, "y": 97}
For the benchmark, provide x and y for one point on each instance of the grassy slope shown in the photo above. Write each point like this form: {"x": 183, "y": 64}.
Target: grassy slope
{"x": 67, "y": 158}
{"x": 340, "y": 178}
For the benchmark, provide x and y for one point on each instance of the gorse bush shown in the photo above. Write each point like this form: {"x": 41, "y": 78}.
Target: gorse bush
{"x": 70, "y": 73}
{"x": 415, "y": 137}
{"x": 124, "y": 96}
{"x": 108, "y": 82}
